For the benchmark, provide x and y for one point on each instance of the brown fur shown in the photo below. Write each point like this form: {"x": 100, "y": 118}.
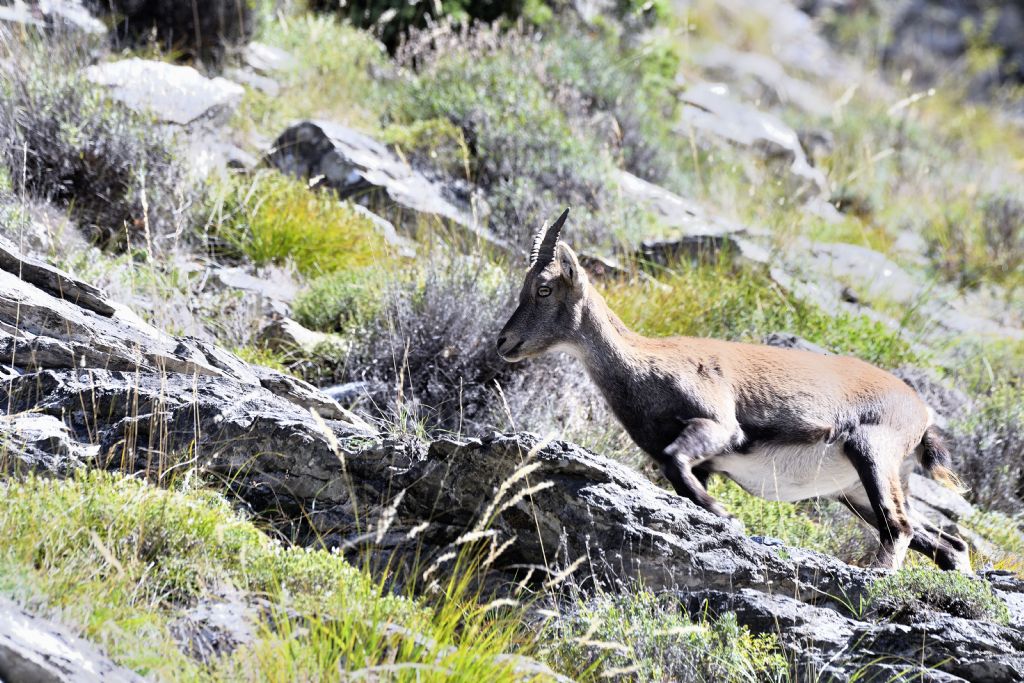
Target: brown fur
{"x": 738, "y": 409}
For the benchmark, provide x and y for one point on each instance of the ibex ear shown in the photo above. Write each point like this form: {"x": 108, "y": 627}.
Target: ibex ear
{"x": 569, "y": 264}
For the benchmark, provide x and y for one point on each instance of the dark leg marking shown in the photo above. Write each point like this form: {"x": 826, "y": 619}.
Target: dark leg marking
{"x": 885, "y": 495}
{"x": 699, "y": 440}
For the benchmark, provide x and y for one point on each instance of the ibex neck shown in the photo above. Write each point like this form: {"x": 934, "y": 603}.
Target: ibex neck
{"x": 604, "y": 343}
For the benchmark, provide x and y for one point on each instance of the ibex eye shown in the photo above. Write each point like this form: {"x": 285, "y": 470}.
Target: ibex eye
{"x": 543, "y": 291}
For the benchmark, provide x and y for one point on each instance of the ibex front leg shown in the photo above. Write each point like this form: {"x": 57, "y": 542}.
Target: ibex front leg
{"x": 699, "y": 440}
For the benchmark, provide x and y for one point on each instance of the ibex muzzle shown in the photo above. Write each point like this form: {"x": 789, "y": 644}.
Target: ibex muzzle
{"x": 783, "y": 424}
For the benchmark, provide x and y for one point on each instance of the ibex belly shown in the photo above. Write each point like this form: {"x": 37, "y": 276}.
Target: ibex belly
{"x": 789, "y": 472}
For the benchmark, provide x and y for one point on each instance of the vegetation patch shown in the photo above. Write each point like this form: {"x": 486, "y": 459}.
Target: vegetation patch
{"x": 646, "y": 637}
{"x": 271, "y": 218}
{"x": 63, "y": 139}
{"x": 987, "y": 447}
{"x": 819, "y": 525}
{"x": 905, "y": 593}
{"x": 122, "y": 560}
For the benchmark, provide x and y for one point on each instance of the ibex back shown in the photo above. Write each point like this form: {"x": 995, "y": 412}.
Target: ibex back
{"x": 783, "y": 424}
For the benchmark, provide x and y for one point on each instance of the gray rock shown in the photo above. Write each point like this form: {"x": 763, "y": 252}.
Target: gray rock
{"x": 703, "y": 247}
{"x": 43, "y": 444}
{"x": 355, "y": 165}
{"x": 34, "y": 650}
{"x": 709, "y": 109}
{"x": 52, "y": 14}
{"x": 285, "y": 334}
{"x": 50, "y": 320}
{"x": 793, "y": 37}
{"x": 173, "y": 94}
{"x": 763, "y": 80}
{"x": 827, "y": 646}
{"x": 674, "y": 211}
{"x": 264, "y": 84}
{"x": 267, "y": 59}
{"x": 275, "y": 288}
{"x": 821, "y": 271}
{"x": 217, "y": 626}
{"x": 785, "y": 340}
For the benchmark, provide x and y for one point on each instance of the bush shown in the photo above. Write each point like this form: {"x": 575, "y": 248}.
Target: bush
{"x": 976, "y": 240}
{"x": 988, "y": 449}
{"x": 433, "y": 346}
{"x": 271, "y": 218}
{"x": 651, "y": 638}
{"x": 63, "y": 139}
{"x": 343, "y": 301}
{"x": 198, "y": 30}
{"x": 544, "y": 123}
{"x": 908, "y": 591}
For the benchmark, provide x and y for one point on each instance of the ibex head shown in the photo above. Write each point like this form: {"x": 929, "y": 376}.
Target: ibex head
{"x": 551, "y": 301}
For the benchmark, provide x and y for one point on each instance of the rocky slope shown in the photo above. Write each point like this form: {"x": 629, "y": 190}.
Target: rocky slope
{"x": 89, "y": 385}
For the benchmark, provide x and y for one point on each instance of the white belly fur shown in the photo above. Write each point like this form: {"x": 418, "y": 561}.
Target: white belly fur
{"x": 789, "y": 472}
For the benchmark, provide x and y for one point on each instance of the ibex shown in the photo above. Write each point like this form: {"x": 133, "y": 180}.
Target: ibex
{"x": 784, "y": 424}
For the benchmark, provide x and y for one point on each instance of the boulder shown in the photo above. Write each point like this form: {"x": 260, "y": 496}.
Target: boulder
{"x": 672, "y": 210}
{"x": 35, "y": 650}
{"x": 709, "y": 109}
{"x": 839, "y": 276}
{"x": 357, "y": 166}
{"x": 173, "y": 94}
{"x": 266, "y": 59}
{"x": 52, "y": 15}
{"x": 763, "y": 80}
{"x": 827, "y": 646}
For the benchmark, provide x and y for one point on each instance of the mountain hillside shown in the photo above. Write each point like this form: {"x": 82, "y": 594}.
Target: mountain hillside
{"x": 255, "y": 256}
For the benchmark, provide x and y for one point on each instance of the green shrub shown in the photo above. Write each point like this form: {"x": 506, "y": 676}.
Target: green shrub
{"x": 824, "y": 526}
{"x": 341, "y": 301}
{"x": 63, "y": 139}
{"x": 908, "y": 591}
{"x": 334, "y": 74}
{"x": 271, "y": 218}
{"x": 974, "y": 240}
{"x": 644, "y": 637}
{"x": 523, "y": 149}
{"x": 543, "y": 123}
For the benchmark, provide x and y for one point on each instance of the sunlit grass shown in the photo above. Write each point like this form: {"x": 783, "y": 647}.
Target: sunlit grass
{"x": 121, "y": 560}
{"x": 271, "y": 218}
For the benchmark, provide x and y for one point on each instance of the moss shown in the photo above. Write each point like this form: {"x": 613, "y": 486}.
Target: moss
{"x": 260, "y": 355}
{"x": 910, "y": 590}
{"x": 646, "y": 637}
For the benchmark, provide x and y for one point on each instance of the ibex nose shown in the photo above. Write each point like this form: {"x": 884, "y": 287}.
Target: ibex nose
{"x": 501, "y": 341}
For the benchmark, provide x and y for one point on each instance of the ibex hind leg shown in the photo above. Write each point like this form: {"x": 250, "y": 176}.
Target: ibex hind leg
{"x": 880, "y": 480}
{"x": 945, "y": 550}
